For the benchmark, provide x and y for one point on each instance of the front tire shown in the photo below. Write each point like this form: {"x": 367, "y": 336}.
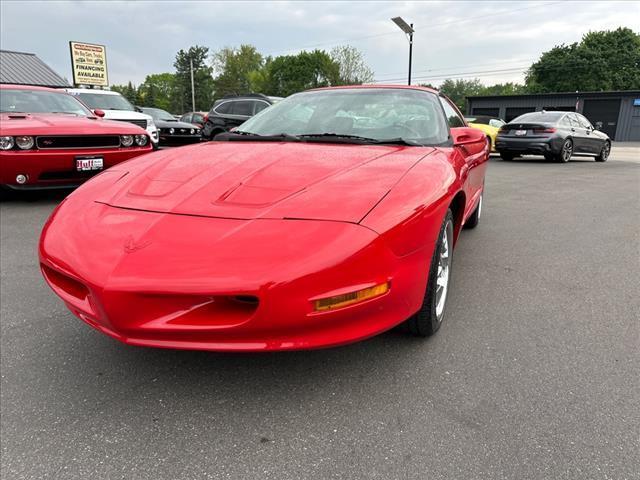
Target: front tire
{"x": 604, "y": 153}
{"x": 428, "y": 319}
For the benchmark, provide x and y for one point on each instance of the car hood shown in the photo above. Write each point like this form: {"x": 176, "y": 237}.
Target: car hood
{"x": 248, "y": 180}
{"x": 61, "y": 124}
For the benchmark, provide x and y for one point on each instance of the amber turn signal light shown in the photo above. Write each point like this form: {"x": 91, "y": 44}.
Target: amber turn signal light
{"x": 346, "y": 299}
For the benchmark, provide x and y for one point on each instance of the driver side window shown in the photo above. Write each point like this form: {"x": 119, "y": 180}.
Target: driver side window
{"x": 453, "y": 117}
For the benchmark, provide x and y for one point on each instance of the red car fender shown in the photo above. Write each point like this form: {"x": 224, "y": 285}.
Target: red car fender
{"x": 410, "y": 216}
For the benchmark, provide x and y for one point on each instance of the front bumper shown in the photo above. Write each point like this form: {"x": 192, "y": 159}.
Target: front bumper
{"x": 166, "y": 139}
{"x": 57, "y": 168}
{"x": 153, "y": 134}
{"x": 222, "y": 284}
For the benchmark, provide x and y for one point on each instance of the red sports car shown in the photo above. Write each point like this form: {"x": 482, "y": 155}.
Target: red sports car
{"x": 50, "y": 139}
{"x": 325, "y": 219}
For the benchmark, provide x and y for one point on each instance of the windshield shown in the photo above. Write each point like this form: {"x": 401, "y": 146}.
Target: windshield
{"x": 159, "y": 114}
{"x": 105, "y": 101}
{"x": 374, "y": 113}
{"x": 39, "y": 101}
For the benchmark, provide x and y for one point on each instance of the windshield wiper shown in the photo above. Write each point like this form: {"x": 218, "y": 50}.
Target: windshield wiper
{"x": 241, "y": 135}
{"x": 373, "y": 141}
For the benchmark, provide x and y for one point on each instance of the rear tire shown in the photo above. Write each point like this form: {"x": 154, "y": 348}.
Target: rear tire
{"x": 604, "y": 153}
{"x": 507, "y": 157}
{"x": 565, "y": 152}
{"x": 428, "y": 319}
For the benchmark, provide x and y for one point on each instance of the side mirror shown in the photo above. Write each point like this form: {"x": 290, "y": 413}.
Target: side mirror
{"x": 98, "y": 113}
{"x": 467, "y": 135}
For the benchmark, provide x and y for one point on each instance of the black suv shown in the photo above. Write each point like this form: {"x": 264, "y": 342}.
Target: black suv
{"x": 234, "y": 110}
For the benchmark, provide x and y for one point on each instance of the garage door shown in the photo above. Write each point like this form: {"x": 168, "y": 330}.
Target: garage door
{"x": 489, "y": 112}
{"x": 605, "y": 112}
{"x": 514, "y": 112}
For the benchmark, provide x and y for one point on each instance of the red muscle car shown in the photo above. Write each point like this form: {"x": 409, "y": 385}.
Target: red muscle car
{"x": 50, "y": 139}
{"x": 325, "y": 219}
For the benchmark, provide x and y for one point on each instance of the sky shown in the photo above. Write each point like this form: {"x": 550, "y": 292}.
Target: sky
{"x": 491, "y": 40}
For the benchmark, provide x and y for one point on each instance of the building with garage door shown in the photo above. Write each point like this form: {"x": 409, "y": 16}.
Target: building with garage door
{"x": 618, "y": 113}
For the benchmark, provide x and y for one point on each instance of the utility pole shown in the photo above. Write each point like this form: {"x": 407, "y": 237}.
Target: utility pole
{"x": 193, "y": 91}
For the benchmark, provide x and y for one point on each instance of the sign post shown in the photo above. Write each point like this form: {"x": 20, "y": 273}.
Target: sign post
{"x": 89, "y": 64}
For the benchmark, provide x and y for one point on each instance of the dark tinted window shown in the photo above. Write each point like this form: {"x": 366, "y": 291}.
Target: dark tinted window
{"x": 224, "y": 108}
{"x": 583, "y": 121}
{"x": 259, "y": 106}
{"x": 242, "y": 107}
{"x": 547, "y": 117}
{"x": 454, "y": 119}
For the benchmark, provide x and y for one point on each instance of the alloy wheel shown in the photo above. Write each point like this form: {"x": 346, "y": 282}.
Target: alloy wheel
{"x": 444, "y": 272}
{"x": 567, "y": 150}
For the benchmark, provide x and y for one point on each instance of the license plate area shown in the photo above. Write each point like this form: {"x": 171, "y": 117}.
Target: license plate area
{"x": 89, "y": 163}
{"x": 520, "y": 133}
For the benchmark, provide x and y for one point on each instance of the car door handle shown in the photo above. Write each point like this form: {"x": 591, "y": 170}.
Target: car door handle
{"x": 573, "y": 129}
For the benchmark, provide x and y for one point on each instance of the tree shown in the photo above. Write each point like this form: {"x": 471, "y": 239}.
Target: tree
{"x": 457, "y": 90}
{"x": 289, "y": 74}
{"x": 352, "y": 68}
{"x": 128, "y": 91}
{"x": 605, "y": 60}
{"x": 158, "y": 90}
{"x": 508, "y": 88}
{"x": 234, "y": 67}
{"x": 202, "y": 76}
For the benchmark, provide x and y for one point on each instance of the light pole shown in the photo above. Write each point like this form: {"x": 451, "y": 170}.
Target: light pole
{"x": 193, "y": 90}
{"x": 408, "y": 29}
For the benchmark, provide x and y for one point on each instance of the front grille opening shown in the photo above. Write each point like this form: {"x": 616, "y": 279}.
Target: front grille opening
{"x": 247, "y": 299}
{"x": 77, "y": 141}
{"x": 140, "y": 123}
{"x": 65, "y": 283}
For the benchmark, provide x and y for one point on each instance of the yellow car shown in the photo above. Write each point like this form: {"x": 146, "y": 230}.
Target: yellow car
{"x": 489, "y": 125}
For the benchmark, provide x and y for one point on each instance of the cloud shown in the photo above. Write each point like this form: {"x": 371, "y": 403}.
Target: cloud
{"x": 451, "y": 37}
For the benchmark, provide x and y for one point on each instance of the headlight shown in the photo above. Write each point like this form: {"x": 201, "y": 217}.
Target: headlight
{"x": 141, "y": 140}
{"x": 171, "y": 131}
{"x": 126, "y": 140}
{"x": 25, "y": 143}
{"x": 192, "y": 131}
{"x": 6, "y": 143}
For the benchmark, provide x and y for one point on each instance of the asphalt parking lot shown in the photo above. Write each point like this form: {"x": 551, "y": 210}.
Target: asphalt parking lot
{"x": 534, "y": 375}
